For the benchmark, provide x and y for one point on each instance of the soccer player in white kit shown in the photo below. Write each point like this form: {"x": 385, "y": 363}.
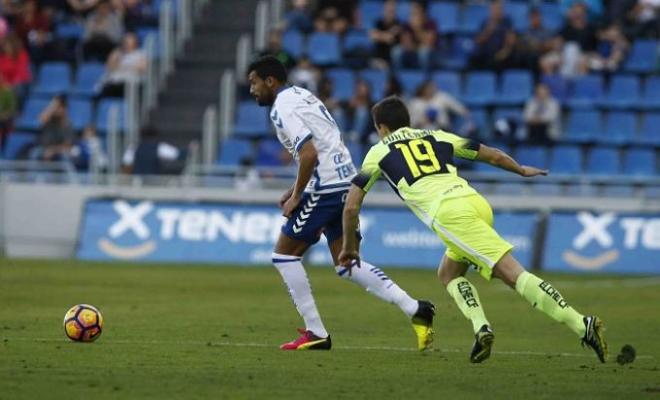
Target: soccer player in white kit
{"x": 314, "y": 204}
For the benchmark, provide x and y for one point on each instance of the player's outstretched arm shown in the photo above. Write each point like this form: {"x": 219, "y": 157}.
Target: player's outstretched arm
{"x": 350, "y": 220}
{"x": 500, "y": 159}
{"x": 307, "y": 157}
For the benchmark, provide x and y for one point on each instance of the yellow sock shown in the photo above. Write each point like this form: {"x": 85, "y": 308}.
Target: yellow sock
{"x": 543, "y": 296}
{"x": 467, "y": 299}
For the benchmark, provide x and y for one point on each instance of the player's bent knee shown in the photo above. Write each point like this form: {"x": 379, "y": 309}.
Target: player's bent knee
{"x": 508, "y": 269}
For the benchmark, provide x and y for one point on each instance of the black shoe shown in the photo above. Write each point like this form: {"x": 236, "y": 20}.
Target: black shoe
{"x": 483, "y": 343}
{"x": 594, "y": 338}
{"x": 422, "y": 323}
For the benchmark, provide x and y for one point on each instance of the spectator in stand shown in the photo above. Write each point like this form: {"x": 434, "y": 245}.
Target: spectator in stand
{"x": 82, "y": 7}
{"x": 542, "y": 116}
{"x": 33, "y": 26}
{"x": 612, "y": 49}
{"x": 393, "y": 87}
{"x": 417, "y": 41}
{"x": 431, "y": 107}
{"x": 325, "y": 94}
{"x": 385, "y": 34}
{"x": 299, "y": 18}
{"x": 639, "y": 18}
{"x": 88, "y": 152}
{"x": 495, "y": 41}
{"x": 125, "y": 64}
{"x": 275, "y": 48}
{"x": 305, "y": 75}
{"x": 103, "y": 30}
{"x": 136, "y": 13}
{"x": 8, "y": 107}
{"x": 15, "y": 65}
{"x": 329, "y": 20}
{"x": 534, "y": 42}
{"x": 153, "y": 156}
{"x": 594, "y": 7}
{"x": 57, "y": 135}
{"x": 358, "y": 113}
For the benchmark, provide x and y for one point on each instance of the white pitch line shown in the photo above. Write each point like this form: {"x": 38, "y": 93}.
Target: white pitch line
{"x": 274, "y": 346}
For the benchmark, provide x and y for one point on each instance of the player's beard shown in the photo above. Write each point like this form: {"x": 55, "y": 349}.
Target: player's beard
{"x": 266, "y": 101}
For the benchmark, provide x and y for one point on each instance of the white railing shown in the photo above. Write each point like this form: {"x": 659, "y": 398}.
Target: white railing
{"x": 166, "y": 32}
{"x": 184, "y": 24}
{"x": 277, "y": 13}
{"x": 210, "y": 135}
{"x": 227, "y": 103}
{"x": 114, "y": 140}
{"x": 243, "y": 53}
{"x": 262, "y": 25}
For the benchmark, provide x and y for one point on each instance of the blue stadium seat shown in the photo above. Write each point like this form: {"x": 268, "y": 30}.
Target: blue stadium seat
{"x": 479, "y": 88}
{"x": 410, "y": 80}
{"x": 587, "y": 92}
{"x": 80, "y": 113}
{"x": 403, "y": 11}
{"x": 551, "y": 14}
{"x": 640, "y": 162}
{"x": 357, "y": 153}
{"x": 16, "y": 141}
{"x": 377, "y": 79}
{"x": 546, "y": 189}
{"x": 268, "y": 153}
{"x": 517, "y": 11}
{"x": 650, "y": 132}
{"x": 294, "y": 43}
{"x": 323, "y": 48}
{"x": 233, "y": 151}
{"x": 103, "y": 114}
{"x": 445, "y": 15}
{"x": 343, "y": 82}
{"x": 88, "y": 78}
{"x": 618, "y": 191}
{"x": 603, "y": 161}
{"x": 558, "y": 86}
{"x": 515, "y": 87}
{"x": 620, "y": 128}
{"x": 643, "y": 56}
{"x": 357, "y": 40}
{"x": 508, "y": 113}
{"x": 370, "y": 13}
{"x": 29, "y": 117}
{"x": 565, "y": 159}
{"x": 69, "y": 30}
{"x": 651, "y": 95}
{"x": 460, "y": 49}
{"x": 54, "y": 78}
{"x": 623, "y": 92}
{"x": 583, "y": 126}
{"x": 471, "y": 18}
{"x": 449, "y": 82}
{"x": 251, "y": 120}
{"x": 536, "y": 156}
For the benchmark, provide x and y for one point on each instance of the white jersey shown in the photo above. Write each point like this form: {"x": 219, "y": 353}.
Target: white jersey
{"x": 299, "y": 116}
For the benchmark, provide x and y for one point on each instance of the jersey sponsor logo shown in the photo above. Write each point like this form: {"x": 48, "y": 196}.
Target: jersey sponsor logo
{"x": 276, "y": 119}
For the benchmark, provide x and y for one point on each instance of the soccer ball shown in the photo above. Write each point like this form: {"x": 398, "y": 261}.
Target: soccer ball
{"x": 83, "y": 323}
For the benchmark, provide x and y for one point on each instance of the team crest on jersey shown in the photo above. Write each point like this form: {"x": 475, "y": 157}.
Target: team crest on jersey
{"x": 276, "y": 119}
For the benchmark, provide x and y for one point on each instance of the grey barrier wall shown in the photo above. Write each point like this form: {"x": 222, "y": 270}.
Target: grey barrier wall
{"x": 42, "y": 220}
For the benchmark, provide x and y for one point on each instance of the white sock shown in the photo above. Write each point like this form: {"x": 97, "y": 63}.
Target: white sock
{"x": 379, "y": 284}
{"x": 295, "y": 277}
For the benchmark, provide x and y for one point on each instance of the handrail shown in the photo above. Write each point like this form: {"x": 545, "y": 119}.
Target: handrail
{"x": 114, "y": 139}
{"x": 210, "y": 135}
{"x": 227, "y": 103}
{"x": 243, "y": 52}
{"x": 276, "y": 12}
{"x": 262, "y": 25}
{"x": 166, "y": 31}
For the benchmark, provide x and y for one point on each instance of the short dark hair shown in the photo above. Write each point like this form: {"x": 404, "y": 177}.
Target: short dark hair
{"x": 268, "y": 66}
{"x": 391, "y": 112}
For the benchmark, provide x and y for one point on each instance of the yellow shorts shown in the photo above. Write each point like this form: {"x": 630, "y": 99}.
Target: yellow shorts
{"x": 465, "y": 225}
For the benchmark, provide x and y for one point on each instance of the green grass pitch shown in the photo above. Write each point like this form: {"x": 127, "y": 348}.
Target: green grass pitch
{"x": 202, "y": 332}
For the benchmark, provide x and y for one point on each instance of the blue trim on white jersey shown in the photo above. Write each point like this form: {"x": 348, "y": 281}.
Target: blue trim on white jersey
{"x": 305, "y": 139}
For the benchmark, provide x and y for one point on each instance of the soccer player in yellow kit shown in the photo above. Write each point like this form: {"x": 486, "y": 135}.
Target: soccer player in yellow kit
{"x": 418, "y": 165}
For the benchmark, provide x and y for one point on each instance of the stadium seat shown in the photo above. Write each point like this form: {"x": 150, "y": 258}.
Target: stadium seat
{"x": 370, "y": 13}
{"x": 652, "y": 192}
{"x": 587, "y": 92}
{"x": 459, "y": 52}
{"x": 251, "y": 120}
{"x": 343, "y": 82}
{"x": 269, "y": 152}
{"x": 565, "y": 159}
{"x": 233, "y": 151}
{"x": 479, "y": 117}
{"x": 323, "y": 48}
{"x": 603, "y": 161}
{"x": 620, "y": 128}
{"x": 643, "y": 56}
{"x": 103, "y": 114}
{"x": 583, "y": 126}
{"x": 651, "y": 95}
{"x": 80, "y": 113}
{"x": 88, "y": 79}
{"x": 449, "y": 82}
{"x": 623, "y": 92}
{"x": 546, "y": 189}
{"x": 54, "y": 78}
{"x": 650, "y": 132}
{"x": 410, "y": 80}
{"x": 357, "y": 40}
{"x": 16, "y": 141}
{"x": 294, "y": 43}
{"x": 518, "y": 12}
{"x": 558, "y": 86}
{"x": 69, "y": 31}
{"x": 357, "y": 153}
{"x": 445, "y": 15}
{"x": 515, "y": 87}
{"x": 508, "y": 113}
{"x": 29, "y": 117}
{"x": 472, "y": 17}
{"x": 377, "y": 79}
{"x": 536, "y": 156}
{"x": 479, "y": 88}
{"x": 551, "y": 14}
{"x": 640, "y": 162}
{"x": 403, "y": 11}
